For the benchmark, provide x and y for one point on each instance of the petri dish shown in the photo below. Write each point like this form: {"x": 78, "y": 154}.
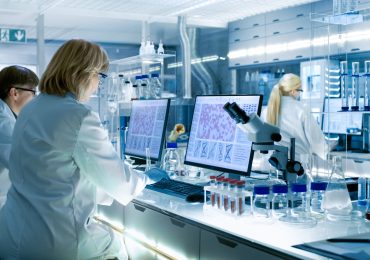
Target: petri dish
{"x": 299, "y": 222}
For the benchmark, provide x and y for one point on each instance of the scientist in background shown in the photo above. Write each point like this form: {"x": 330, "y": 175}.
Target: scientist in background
{"x": 17, "y": 88}
{"x": 62, "y": 165}
{"x": 295, "y": 120}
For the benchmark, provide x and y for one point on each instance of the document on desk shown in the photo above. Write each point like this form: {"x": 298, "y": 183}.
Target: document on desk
{"x": 352, "y": 247}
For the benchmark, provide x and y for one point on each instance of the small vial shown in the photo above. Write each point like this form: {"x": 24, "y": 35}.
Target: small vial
{"x": 317, "y": 196}
{"x": 213, "y": 194}
{"x": 299, "y": 199}
{"x": 218, "y": 194}
{"x": 279, "y": 200}
{"x": 261, "y": 202}
{"x": 344, "y": 85}
{"x": 240, "y": 208}
{"x": 361, "y": 197}
{"x": 232, "y": 185}
{"x": 355, "y": 86}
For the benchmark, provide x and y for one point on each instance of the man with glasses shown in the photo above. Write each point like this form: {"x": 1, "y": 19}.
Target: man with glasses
{"x": 17, "y": 88}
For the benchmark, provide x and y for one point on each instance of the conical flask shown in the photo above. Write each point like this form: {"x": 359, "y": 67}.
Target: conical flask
{"x": 337, "y": 203}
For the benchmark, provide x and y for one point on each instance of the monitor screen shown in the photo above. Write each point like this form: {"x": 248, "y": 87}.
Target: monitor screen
{"x": 147, "y": 128}
{"x": 335, "y": 122}
{"x": 215, "y": 142}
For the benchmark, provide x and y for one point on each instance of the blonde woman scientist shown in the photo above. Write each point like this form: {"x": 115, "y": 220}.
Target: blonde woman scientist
{"x": 294, "y": 120}
{"x": 61, "y": 161}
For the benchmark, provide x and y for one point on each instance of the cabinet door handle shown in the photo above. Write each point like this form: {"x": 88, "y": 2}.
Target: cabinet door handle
{"x": 226, "y": 242}
{"x": 298, "y": 56}
{"x": 237, "y": 64}
{"x": 355, "y": 49}
{"x": 299, "y": 15}
{"x": 256, "y": 36}
{"x": 236, "y": 29}
{"x": 256, "y": 61}
{"x": 255, "y": 24}
{"x": 276, "y": 59}
{"x": 139, "y": 208}
{"x": 274, "y": 33}
{"x": 299, "y": 28}
{"x": 237, "y": 40}
{"x": 358, "y": 161}
{"x": 275, "y": 20}
{"x": 177, "y": 223}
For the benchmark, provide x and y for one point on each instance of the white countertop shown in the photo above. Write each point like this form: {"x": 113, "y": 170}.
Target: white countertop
{"x": 270, "y": 233}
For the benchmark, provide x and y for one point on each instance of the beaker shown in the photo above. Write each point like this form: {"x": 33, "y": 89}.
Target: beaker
{"x": 344, "y": 85}
{"x": 355, "y": 86}
{"x": 337, "y": 202}
{"x": 367, "y": 85}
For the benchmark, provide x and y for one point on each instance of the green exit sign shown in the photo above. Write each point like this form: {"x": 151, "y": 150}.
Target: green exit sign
{"x": 13, "y": 35}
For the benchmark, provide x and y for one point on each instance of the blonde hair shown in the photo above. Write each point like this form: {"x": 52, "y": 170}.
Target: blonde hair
{"x": 286, "y": 84}
{"x": 72, "y": 68}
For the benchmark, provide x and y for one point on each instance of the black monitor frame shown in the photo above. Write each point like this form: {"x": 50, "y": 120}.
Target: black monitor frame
{"x": 217, "y": 168}
{"x": 143, "y": 157}
{"x": 325, "y": 114}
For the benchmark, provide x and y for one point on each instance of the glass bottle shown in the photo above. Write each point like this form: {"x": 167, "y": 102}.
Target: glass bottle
{"x": 337, "y": 203}
{"x": 145, "y": 87}
{"x": 317, "y": 196}
{"x": 261, "y": 202}
{"x": 367, "y": 86}
{"x": 137, "y": 88}
{"x": 299, "y": 199}
{"x": 279, "y": 200}
{"x": 155, "y": 86}
{"x": 171, "y": 159}
{"x": 355, "y": 86}
{"x": 344, "y": 84}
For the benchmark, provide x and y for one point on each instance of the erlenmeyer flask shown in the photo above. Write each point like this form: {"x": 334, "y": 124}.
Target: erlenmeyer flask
{"x": 337, "y": 203}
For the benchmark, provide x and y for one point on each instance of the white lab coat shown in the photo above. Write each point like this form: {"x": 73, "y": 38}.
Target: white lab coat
{"x": 7, "y": 122}
{"x": 296, "y": 121}
{"x": 60, "y": 156}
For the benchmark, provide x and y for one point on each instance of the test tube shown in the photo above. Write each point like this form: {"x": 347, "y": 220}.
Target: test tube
{"x": 213, "y": 186}
{"x": 355, "y": 86}
{"x": 225, "y": 196}
{"x": 232, "y": 199}
{"x": 240, "y": 197}
{"x": 344, "y": 85}
{"x": 367, "y": 85}
{"x": 218, "y": 193}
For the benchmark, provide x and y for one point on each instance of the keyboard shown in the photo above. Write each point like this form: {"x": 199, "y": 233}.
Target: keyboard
{"x": 177, "y": 188}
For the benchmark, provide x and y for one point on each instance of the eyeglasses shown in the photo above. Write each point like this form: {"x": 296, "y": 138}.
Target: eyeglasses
{"x": 102, "y": 77}
{"x": 299, "y": 90}
{"x": 27, "y": 89}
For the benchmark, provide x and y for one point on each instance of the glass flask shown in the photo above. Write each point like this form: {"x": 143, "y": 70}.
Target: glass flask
{"x": 344, "y": 85}
{"x": 355, "y": 86}
{"x": 337, "y": 202}
{"x": 367, "y": 85}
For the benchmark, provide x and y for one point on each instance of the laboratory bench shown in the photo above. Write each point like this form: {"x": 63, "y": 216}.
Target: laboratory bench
{"x": 188, "y": 231}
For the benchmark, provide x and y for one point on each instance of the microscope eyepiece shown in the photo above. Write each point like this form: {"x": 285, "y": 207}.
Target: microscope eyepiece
{"x": 236, "y": 113}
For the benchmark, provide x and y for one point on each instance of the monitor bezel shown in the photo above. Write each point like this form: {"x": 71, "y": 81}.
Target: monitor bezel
{"x": 163, "y": 130}
{"x": 325, "y": 114}
{"x": 217, "y": 168}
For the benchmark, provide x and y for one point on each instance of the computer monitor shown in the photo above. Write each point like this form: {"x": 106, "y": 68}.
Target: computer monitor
{"x": 215, "y": 142}
{"x": 146, "y": 128}
{"x": 335, "y": 122}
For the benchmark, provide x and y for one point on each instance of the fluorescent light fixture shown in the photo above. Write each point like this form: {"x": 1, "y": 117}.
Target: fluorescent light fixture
{"x": 275, "y": 48}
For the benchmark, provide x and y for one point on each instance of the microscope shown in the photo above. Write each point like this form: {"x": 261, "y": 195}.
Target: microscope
{"x": 263, "y": 136}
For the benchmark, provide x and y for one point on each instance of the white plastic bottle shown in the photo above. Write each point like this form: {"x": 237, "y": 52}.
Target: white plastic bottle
{"x": 160, "y": 48}
{"x": 142, "y": 47}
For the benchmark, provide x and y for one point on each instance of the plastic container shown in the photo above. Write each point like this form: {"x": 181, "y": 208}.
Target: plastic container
{"x": 279, "y": 200}
{"x": 317, "y": 196}
{"x": 171, "y": 159}
{"x": 155, "y": 86}
{"x": 261, "y": 202}
{"x": 299, "y": 199}
{"x": 361, "y": 198}
{"x": 240, "y": 198}
{"x": 136, "y": 88}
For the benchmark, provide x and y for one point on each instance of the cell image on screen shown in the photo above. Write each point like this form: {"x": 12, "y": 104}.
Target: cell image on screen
{"x": 146, "y": 128}
{"x": 215, "y": 142}
{"x": 335, "y": 122}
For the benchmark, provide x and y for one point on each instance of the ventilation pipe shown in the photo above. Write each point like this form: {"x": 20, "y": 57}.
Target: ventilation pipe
{"x": 186, "y": 57}
{"x": 200, "y": 71}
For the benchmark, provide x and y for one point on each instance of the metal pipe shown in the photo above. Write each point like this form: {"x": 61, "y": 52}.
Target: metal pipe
{"x": 186, "y": 57}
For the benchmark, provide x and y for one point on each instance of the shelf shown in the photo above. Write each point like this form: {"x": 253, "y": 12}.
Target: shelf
{"x": 146, "y": 58}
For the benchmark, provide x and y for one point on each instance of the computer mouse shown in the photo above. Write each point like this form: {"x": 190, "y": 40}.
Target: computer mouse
{"x": 196, "y": 197}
